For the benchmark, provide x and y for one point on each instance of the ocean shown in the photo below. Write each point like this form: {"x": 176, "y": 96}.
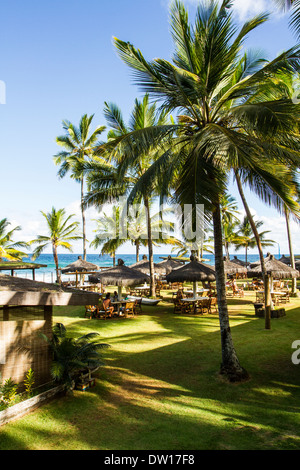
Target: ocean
{"x": 47, "y": 274}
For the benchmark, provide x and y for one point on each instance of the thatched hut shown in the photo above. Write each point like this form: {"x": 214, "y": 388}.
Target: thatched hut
{"x": 27, "y": 308}
{"x": 233, "y": 268}
{"x": 169, "y": 264}
{"x": 120, "y": 276}
{"x": 238, "y": 261}
{"x": 144, "y": 266}
{"x": 194, "y": 272}
{"x": 80, "y": 265}
{"x": 274, "y": 268}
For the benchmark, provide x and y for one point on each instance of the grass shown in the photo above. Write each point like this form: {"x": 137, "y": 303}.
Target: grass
{"x": 160, "y": 388}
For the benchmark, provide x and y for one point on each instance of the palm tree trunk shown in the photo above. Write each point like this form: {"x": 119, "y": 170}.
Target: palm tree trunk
{"x": 261, "y": 255}
{"x": 150, "y": 247}
{"x": 288, "y": 229}
{"x": 83, "y": 221}
{"x": 55, "y": 256}
{"x": 230, "y": 366}
{"x": 137, "y": 250}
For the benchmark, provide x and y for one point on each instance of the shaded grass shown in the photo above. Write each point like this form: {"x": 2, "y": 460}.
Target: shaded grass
{"x": 160, "y": 388}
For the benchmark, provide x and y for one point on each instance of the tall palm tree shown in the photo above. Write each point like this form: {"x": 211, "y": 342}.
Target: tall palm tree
{"x": 79, "y": 144}
{"x": 218, "y": 129}
{"x": 105, "y": 182}
{"x": 110, "y": 236}
{"x": 294, "y": 5}
{"x": 247, "y": 239}
{"x": 8, "y": 248}
{"x": 61, "y": 231}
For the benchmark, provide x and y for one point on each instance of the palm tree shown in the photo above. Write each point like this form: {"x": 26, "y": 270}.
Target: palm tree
{"x": 107, "y": 179}
{"x": 295, "y": 14}
{"x": 61, "y": 231}
{"x": 79, "y": 145}
{"x": 72, "y": 356}
{"x": 218, "y": 129}
{"x": 110, "y": 236}
{"x": 247, "y": 239}
{"x": 8, "y": 248}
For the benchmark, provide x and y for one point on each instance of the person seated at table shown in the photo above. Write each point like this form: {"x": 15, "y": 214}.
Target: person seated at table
{"x": 115, "y": 297}
{"x": 108, "y": 307}
{"x": 179, "y": 294}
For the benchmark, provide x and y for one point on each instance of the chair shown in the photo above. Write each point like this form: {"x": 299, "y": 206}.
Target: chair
{"x": 204, "y": 306}
{"x": 90, "y": 311}
{"x": 177, "y": 305}
{"x": 129, "y": 309}
{"x": 138, "y": 306}
{"x": 214, "y": 303}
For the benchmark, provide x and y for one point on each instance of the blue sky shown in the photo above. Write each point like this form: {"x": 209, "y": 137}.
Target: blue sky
{"x": 58, "y": 62}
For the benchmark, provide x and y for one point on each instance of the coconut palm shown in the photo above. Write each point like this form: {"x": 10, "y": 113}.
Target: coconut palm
{"x": 8, "y": 248}
{"x": 219, "y": 128}
{"x": 247, "y": 239}
{"x": 79, "y": 144}
{"x": 105, "y": 183}
{"x": 110, "y": 236}
{"x": 61, "y": 231}
{"x": 73, "y": 356}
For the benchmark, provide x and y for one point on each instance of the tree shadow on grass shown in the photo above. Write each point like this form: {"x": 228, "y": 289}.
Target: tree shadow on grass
{"x": 164, "y": 391}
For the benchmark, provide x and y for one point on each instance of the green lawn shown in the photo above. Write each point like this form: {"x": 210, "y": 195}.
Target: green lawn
{"x": 160, "y": 387}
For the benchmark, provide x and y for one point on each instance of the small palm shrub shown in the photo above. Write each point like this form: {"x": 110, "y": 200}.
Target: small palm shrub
{"x": 72, "y": 356}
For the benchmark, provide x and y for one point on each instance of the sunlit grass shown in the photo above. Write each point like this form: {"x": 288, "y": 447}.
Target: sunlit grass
{"x": 160, "y": 388}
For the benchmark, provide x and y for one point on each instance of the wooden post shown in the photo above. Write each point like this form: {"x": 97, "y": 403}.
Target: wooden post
{"x": 268, "y": 303}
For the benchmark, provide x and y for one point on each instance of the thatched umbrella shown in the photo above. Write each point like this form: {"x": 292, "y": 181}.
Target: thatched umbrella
{"x": 238, "y": 261}
{"x": 194, "y": 272}
{"x": 285, "y": 259}
{"x": 274, "y": 268}
{"x": 233, "y": 268}
{"x": 120, "y": 276}
{"x": 169, "y": 264}
{"x": 144, "y": 266}
{"x": 80, "y": 265}
{"x": 257, "y": 263}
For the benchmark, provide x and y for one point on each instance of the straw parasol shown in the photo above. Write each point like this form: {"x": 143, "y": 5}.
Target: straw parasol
{"x": 80, "y": 265}
{"x": 144, "y": 266}
{"x": 257, "y": 263}
{"x": 233, "y": 268}
{"x": 120, "y": 276}
{"x": 194, "y": 272}
{"x": 274, "y": 268}
{"x": 285, "y": 259}
{"x": 238, "y": 261}
{"x": 169, "y": 264}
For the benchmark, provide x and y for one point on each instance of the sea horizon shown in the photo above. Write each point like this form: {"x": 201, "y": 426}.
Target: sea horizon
{"x": 47, "y": 274}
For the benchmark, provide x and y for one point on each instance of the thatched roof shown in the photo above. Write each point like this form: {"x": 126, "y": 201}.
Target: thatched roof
{"x": 233, "y": 268}
{"x": 238, "y": 261}
{"x": 80, "y": 265}
{"x": 257, "y": 263}
{"x": 275, "y": 268}
{"x": 20, "y": 291}
{"x": 195, "y": 271}
{"x": 144, "y": 266}
{"x": 285, "y": 259}
{"x": 120, "y": 275}
{"x": 169, "y": 264}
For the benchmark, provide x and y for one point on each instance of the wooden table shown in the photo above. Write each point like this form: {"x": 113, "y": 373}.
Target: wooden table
{"x": 194, "y": 300}
{"x": 118, "y": 303}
